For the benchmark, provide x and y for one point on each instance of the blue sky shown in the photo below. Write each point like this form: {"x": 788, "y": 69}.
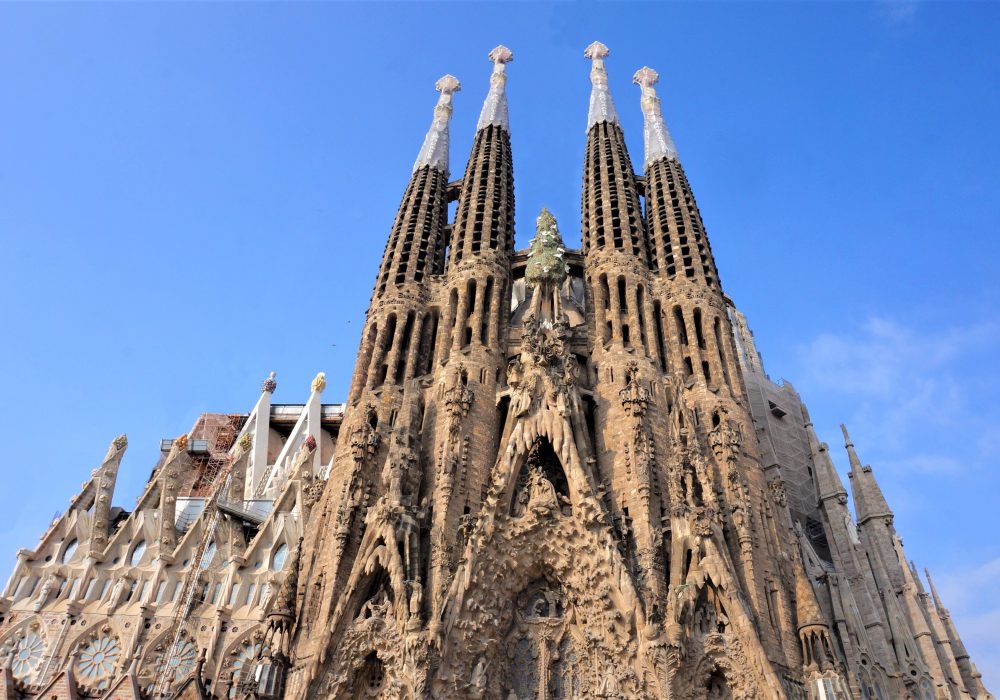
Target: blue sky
{"x": 192, "y": 195}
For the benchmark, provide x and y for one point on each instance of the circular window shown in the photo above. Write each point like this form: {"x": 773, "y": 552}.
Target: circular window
{"x": 280, "y": 557}
{"x": 137, "y": 553}
{"x": 99, "y": 659}
{"x": 23, "y": 653}
{"x": 70, "y": 551}
{"x": 178, "y": 665}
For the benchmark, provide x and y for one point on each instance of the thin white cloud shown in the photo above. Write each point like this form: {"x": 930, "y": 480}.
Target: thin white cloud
{"x": 904, "y": 384}
{"x": 899, "y": 12}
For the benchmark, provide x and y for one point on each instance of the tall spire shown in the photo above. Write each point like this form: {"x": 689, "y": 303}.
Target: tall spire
{"x": 869, "y": 501}
{"x": 434, "y": 152}
{"x": 828, "y": 483}
{"x": 602, "y": 107}
{"x": 495, "y": 107}
{"x": 657, "y": 138}
{"x": 934, "y": 594}
{"x": 851, "y": 453}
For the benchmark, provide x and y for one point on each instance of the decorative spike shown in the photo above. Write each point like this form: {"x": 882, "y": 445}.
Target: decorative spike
{"x": 319, "y": 383}
{"x": 434, "y": 152}
{"x": 495, "y": 107}
{"x": 602, "y": 107}
{"x": 270, "y": 384}
{"x": 658, "y": 141}
{"x": 934, "y": 594}
{"x": 855, "y": 462}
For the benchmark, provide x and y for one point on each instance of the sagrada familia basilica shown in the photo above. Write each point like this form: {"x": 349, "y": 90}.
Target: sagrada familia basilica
{"x": 558, "y": 474}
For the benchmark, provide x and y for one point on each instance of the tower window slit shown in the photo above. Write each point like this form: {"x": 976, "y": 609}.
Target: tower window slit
{"x": 640, "y": 311}
{"x": 404, "y": 347}
{"x": 722, "y": 355}
{"x": 366, "y": 359}
{"x": 706, "y": 371}
{"x": 622, "y": 301}
{"x": 383, "y": 368}
{"x": 484, "y": 325}
{"x": 660, "y": 346}
{"x": 682, "y": 336}
{"x": 699, "y": 334}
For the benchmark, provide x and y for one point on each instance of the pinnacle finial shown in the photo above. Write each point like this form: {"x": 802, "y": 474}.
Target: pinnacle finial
{"x": 658, "y": 142}
{"x": 447, "y": 85}
{"x": 319, "y": 383}
{"x": 596, "y": 50}
{"x": 934, "y": 593}
{"x": 434, "y": 152}
{"x": 495, "y": 106}
{"x": 270, "y": 384}
{"x": 646, "y": 77}
{"x": 847, "y": 436}
{"x": 602, "y": 108}
{"x": 501, "y": 54}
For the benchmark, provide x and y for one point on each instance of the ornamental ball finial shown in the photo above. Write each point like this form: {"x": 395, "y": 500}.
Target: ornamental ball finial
{"x": 448, "y": 84}
{"x": 319, "y": 383}
{"x": 596, "y": 50}
{"x": 501, "y": 54}
{"x": 121, "y": 442}
{"x": 246, "y": 442}
{"x": 270, "y": 384}
{"x": 646, "y": 77}
{"x": 181, "y": 442}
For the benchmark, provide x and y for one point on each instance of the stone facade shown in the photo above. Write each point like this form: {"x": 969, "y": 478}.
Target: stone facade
{"x": 558, "y": 474}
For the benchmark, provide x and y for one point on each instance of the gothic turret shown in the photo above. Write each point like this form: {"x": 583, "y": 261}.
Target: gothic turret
{"x": 869, "y": 501}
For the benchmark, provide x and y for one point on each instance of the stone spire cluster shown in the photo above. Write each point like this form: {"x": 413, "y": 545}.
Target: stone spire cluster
{"x": 557, "y": 474}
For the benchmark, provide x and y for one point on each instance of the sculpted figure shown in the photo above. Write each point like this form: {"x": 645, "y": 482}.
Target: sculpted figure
{"x": 543, "y": 493}
{"x": 477, "y": 684}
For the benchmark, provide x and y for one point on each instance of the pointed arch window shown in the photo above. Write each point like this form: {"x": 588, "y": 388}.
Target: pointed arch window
{"x": 70, "y": 550}
{"x": 137, "y": 552}
{"x": 280, "y": 557}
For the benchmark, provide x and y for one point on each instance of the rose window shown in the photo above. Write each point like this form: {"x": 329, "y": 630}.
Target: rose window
{"x": 23, "y": 653}
{"x": 99, "y": 659}
{"x": 176, "y": 666}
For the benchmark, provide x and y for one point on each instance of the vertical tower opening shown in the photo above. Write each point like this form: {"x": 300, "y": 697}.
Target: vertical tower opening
{"x": 484, "y": 325}
{"x": 640, "y": 312}
{"x": 660, "y": 345}
{"x": 722, "y": 356}
{"x": 403, "y": 350}
{"x": 682, "y": 334}
{"x": 698, "y": 331}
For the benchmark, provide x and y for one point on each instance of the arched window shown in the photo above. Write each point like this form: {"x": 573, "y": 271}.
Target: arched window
{"x": 70, "y": 550}
{"x": 279, "y": 558}
{"x": 244, "y": 656}
{"x": 137, "y": 552}
{"x": 209, "y": 555}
